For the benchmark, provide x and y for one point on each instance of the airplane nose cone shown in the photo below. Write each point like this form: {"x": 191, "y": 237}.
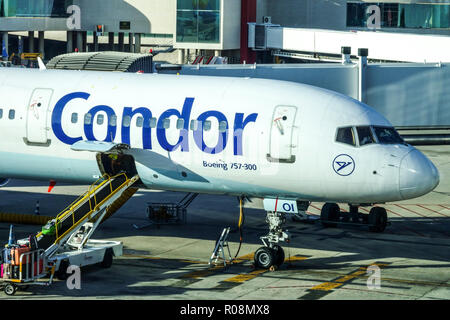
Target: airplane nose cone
{"x": 418, "y": 175}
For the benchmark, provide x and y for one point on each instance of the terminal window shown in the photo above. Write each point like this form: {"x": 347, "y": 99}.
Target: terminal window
{"x": 198, "y": 21}
{"x": 34, "y": 8}
{"x": 401, "y": 15}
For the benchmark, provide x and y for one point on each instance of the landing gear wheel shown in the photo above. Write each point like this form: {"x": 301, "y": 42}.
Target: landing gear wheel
{"x": 10, "y": 289}
{"x": 61, "y": 274}
{"x": 107, "y": 259}
{"x": 278, "y": 254}
{"x": 377, "y": 219}
{"x": 329, "y": 212}
{"x": 264, "y": 258}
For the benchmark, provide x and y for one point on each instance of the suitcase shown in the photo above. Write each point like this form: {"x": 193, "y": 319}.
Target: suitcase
{"x": 6, "y": 271}
{"x": 33, "y": 242}
{"x": 16, "y": 253}
{"x": 38, "y": 267}
{"x": 15, "y": 272}
{"x": 6, "y": 255}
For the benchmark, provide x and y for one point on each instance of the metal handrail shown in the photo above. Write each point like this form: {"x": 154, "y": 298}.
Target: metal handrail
{"x": 105, "y": 178}
{"x": 36, "y": 257}
{"x": 74, "y": 205}
{"x": 113, "y": 192}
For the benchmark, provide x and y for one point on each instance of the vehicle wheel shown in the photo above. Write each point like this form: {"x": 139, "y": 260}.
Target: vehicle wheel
{"x": 264, "y": 258}
{"x": 10, "y": 289}
{"x": 61, "y": 274}
{"x": 278, "y": 254}
{"x": 377, "y": 219}
{"x": 107, "y": 259}
{"x": 149, "y": 213}
{"x": 329, "y": 212}
{"x": 364, "y": 218}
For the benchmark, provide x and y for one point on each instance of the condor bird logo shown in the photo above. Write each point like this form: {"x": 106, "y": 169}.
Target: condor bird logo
{"x": 344, "y": 165}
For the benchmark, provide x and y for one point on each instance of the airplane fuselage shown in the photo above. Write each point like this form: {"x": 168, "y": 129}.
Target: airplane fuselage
{"x": 234, "y": 136}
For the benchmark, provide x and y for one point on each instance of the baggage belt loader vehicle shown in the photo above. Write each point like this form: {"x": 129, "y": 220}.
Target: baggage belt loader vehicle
{"x": 65, "y": 241}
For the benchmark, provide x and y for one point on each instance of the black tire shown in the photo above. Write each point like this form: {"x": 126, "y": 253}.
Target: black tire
{"x": 10, "y": 289}
{"x": 279, "y": 255}
{"x": 329, "y": 212}
{"x": 264, "y": 258}
{"x": 61, "y": 274}
{"x": 107, "y": 259}
{"x": 149, "y": 213}
{"x": 377, "y": 219}
{"x": 364, "y": 218}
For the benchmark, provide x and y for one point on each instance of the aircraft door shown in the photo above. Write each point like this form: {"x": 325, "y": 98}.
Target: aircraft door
{"x": 37, "y": 116}
{"x": 281, "y": 135}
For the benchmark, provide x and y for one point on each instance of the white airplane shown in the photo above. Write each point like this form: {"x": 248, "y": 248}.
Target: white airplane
{"x": 286, "y": 143}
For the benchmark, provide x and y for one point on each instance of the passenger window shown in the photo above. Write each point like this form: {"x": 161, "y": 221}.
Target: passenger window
{"x": 12, "y": 114}
{"x": 88, "y": 118}
{"x": 207, "y": 125}
{"x": 139, "y": 122}
{"x": 180, "y": 124}
{"x": 100, "y": 119}
{"x": 113, "y": 121}
{"x": 1, "y": 113}
{"x": 365, "y": 136}
{"x": 74, "y": 118}
{"x": 153, "y": 123}
{"x": 195, "y": 124}
{"x": 126, "y": 121}
{"x": 345, "y": 135}
{"x": 223, "y": 126}
{"x": 165, "y": 124}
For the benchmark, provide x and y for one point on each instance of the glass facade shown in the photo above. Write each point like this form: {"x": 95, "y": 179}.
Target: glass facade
{"x": 34, "y": 8}
{"x": 198, "y": 21}
{"x": 401, "y": 15}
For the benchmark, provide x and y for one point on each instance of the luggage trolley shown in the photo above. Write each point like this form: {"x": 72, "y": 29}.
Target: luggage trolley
{"x": 24, "y": 269}
{"x": 168, "y": 213}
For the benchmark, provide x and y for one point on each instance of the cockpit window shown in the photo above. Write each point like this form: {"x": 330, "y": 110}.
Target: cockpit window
{"x": 365, "y": 136}
{"x": 387, "y": 135}
{"x": 345, "y": 135}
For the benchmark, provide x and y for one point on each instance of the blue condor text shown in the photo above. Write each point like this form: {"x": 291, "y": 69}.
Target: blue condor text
{"x": 240, "y": 121}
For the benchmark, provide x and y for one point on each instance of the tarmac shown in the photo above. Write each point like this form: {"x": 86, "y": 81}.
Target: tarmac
{"x": 409, "y": 261}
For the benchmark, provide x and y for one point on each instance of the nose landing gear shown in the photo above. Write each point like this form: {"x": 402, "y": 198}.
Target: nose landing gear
{"x": 272, "y": 255}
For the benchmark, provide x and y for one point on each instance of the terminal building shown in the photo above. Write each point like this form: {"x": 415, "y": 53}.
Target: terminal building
{"x": 287, "y": 28}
